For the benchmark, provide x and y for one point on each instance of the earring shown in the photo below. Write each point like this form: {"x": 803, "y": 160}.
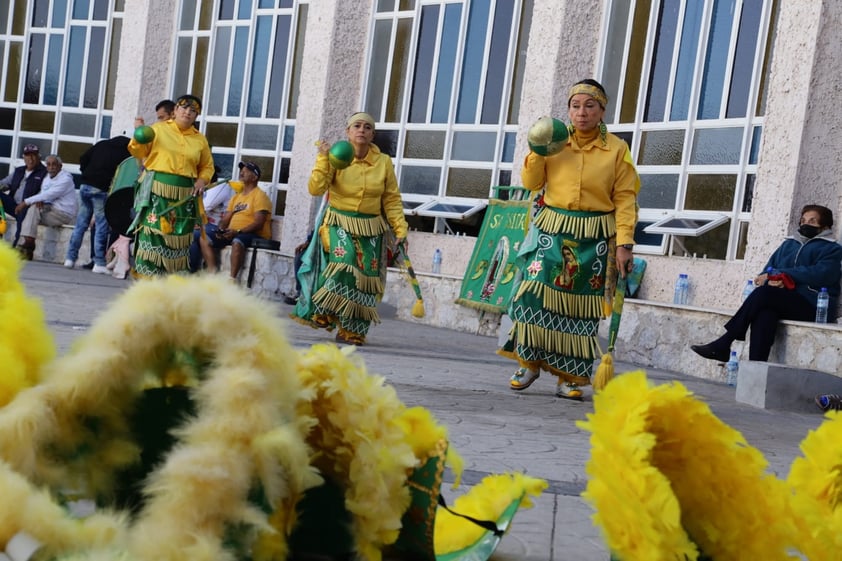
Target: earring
{"x": 603, "y": 132}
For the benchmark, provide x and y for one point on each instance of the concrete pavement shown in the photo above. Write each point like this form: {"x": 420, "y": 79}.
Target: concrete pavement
{"x": 465, "y": 384}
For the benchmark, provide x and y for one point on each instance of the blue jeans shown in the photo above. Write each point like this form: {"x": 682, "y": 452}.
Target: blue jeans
{"x": 93, "y": 204}
{"x": 195, "y": 258}
{"x": 9, "y": 205}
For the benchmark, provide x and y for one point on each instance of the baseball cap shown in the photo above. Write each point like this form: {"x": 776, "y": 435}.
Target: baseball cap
{"x": 30, "y": 149}
{"x": 254, "y": 168}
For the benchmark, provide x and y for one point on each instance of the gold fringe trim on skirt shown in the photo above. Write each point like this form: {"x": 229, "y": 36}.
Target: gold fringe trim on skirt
{"x": 588, "y": 227}
{"x": 564, "y": 303}
{"x": 360, "y": 225}
{"x": 169, "y": 264}
{"x": 567, "y": 344}
{"x": 172, "y": 241}
{"x": 171, "y": 192}
{"x": 369, "y": 285}
{"x": 342, "y": 306}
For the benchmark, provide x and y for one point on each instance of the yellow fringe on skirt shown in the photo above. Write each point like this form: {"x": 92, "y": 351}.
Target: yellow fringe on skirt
{"x": 565, "y": 303}
{"x": 589, "y": 227}
{"x": 567, "y": 344}
{"x": 369, "y": 285}
{"x": 342, "y": 306}
{"x": 357, "y": 225}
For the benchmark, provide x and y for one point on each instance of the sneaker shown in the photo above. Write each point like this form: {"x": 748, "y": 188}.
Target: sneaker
{"x": 69, "y": 263}
{"x": 523, "y": 378}
{"x": 829, "y": 402}
{"x": 567, "y": 390}
{"x": 100, "y": 270}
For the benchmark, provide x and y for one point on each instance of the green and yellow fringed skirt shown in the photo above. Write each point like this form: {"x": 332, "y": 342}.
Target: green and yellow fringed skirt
{"x": 557, "y": 306}
{"x": 165, "y": 229}
{"x": 350, "y": 285}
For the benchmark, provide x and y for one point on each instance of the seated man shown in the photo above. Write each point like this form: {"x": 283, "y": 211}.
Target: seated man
{"x": 24, "y": 181}
{"x": 55, "y": 205}
{"x": 248, "y": 216}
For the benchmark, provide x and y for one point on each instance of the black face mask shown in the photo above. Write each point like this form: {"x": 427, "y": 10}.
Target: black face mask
{"x": 808, "y": 230}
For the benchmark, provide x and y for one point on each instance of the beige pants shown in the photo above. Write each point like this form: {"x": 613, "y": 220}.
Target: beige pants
{"x": 46, "y": 216}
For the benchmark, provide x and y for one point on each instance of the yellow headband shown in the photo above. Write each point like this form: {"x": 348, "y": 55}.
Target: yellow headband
{"x": 191, "y": 103}
{"x": 590, "y": 90}
{"x": 361, "y": 117}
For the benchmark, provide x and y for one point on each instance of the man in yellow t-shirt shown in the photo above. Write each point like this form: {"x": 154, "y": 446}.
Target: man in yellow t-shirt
{"x": 248, "y": 216}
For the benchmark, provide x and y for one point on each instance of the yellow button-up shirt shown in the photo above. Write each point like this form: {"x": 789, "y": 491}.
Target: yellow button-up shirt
{"x": 365, "y": 186}
{"x": 176, "y": 151}
{"x": 594, "y": 177}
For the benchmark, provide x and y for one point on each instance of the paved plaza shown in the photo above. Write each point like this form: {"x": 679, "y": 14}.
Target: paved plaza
{"x": 465, "y": 384}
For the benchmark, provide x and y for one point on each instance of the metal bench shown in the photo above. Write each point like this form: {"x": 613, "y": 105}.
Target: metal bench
{"x": 257, "y": 244}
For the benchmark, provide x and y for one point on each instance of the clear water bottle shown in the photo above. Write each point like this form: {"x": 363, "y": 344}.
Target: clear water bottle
{"x": 437, "y": 262}
{"x": 732, "y": 368}
{"x": 748, "y": 289}
{"x": 821, "y": 306}
{"x": 682, "y": 286}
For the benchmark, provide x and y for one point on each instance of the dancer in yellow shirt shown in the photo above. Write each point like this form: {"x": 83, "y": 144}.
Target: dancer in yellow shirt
{"x": 584, "y": 227}
{"x": 178, "y": 165}
{"x": 351, "y": 234}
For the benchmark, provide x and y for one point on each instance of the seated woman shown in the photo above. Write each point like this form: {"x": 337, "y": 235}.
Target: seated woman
{"x": 802, "y": 265}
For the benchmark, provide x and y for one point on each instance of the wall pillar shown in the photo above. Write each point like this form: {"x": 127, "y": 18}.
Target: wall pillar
{"x": 331, "y": 82}
{"x": 801, "y": 137}
{"x": 146, "y": 46}
{"x": 563, "y": 47}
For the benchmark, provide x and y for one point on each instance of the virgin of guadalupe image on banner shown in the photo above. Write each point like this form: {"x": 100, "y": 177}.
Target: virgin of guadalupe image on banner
{"x": 492, "y": 270}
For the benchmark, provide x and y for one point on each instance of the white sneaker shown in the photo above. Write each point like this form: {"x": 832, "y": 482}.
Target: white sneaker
{"x": 69, "y": 263}
{"x": 101, "y": 270}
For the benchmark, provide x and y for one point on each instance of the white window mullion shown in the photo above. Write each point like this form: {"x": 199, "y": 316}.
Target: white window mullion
{"x": 676, "y": 53}
{"x": 729, "y": 63}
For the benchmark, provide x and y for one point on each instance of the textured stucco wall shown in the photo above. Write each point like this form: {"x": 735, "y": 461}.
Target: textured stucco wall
{"x": 331, "y": 86}
{"x": 145, "y": 56}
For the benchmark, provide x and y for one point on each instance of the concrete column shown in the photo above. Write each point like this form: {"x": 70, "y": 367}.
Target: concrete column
{"x": 331, "y": 85}
{"x": 563, "y": 47}
{"x": 146, "y": 46}
{"x": 799, "y": 161}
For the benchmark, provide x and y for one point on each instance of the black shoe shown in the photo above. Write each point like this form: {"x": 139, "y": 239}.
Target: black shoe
{"x": 712, "y": 352}
{"x": 88, "y": 266}
{"x": 290, "y": 301}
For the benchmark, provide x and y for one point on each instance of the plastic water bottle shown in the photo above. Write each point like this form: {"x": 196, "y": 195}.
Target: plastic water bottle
{"x": 732, "y": 368}
{"x": 821, "y": 306}
{"x": 437, "y": 262}
{"x": 682, "y": 285}
{"x": 748, "y": 289}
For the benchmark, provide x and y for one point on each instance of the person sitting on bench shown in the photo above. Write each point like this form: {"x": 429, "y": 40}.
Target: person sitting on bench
{"x": 248, "y": 216}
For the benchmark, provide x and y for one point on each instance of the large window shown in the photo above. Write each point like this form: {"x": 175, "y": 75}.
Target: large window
{"x": 687, "y": 87}
{"x": 443, "y": 83}
{"x": 59, "y": 61}
{"x": 243, "y": 58}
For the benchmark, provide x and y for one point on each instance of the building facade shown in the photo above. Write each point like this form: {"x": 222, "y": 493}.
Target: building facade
{"x": 727, "y": 105}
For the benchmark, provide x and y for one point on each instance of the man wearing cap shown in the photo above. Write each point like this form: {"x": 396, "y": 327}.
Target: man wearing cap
{"x": 248, "y": 216}
{"x": 30, "y": 175}
{"x": 55, "y": 205}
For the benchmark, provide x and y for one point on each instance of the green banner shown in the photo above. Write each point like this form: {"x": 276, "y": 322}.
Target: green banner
{"x": 492, "y": 269}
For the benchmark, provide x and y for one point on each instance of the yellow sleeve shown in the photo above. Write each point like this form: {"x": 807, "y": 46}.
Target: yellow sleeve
{"x": 321, "y": 177}
{"x": 624, "y": 196}
{"x": 534, "y": 172}
{"x": 391, "y": 201}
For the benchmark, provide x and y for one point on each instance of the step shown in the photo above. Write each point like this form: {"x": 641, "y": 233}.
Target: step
{"x": 769, "y": 385}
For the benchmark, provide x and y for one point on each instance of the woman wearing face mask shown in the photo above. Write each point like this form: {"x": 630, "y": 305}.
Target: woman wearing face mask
{"x": 795, "y": 273}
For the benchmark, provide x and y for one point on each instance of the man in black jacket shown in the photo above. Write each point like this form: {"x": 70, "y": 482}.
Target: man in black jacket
{"x": 98, "y": 165}
{"x": 29, "y": 177}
